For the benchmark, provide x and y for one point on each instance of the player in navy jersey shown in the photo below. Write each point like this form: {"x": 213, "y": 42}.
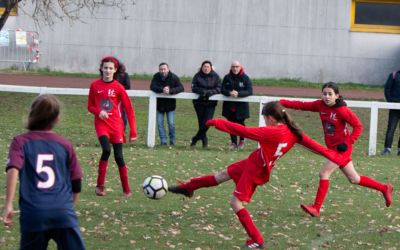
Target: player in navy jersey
{"x": 335, "y": 117}
{"x": 106, "y": 97}
{"x": 50, "y": 181}
{"x": 275, "y": 139}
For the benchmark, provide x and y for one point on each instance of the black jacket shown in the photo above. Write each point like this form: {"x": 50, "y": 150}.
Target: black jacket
{"x": 175, "y": 87}
{"x": 206, "y": 85}
{"x": 392, "y": 87}
{"x": 242, "y": 84}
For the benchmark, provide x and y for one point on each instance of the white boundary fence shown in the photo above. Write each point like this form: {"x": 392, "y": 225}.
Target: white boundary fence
{"x": 151, "y": 125}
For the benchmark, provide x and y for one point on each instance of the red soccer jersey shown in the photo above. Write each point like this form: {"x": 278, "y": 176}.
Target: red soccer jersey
{"x": 275, "y": 141}
{"x": 109, "y": 96}
{"x": 334, "y": 121}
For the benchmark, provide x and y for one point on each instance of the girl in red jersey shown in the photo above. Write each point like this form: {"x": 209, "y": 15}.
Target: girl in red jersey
{"x": 106, "y": 96}
{"x": 335, "y": 115}
{"x": 275, "y": 139}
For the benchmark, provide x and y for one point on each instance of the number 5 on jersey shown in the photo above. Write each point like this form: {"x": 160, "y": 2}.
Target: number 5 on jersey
{"x": 278, "y": 152}
{"x": 42, "y": 168}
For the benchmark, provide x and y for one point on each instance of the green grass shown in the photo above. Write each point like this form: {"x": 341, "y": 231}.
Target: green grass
{"x": 352, "y": 218}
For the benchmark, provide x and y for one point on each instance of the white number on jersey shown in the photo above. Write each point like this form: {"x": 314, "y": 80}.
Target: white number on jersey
{"x": 41, "y": 168}
{"x": 278, "y": 152}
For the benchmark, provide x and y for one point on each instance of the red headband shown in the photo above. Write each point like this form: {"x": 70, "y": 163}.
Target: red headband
{"x": 111, "y": 58}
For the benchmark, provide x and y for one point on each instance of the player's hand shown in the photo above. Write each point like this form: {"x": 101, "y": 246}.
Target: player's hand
{"x": 132, "y": 136}
{"x": 211, "y": 123}
{"x": 103, "y": 115}
{"x": 8, "y": 216}
{"x": 342, "y": 147}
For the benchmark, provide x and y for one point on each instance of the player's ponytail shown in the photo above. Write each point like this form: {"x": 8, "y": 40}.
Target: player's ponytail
{"x": 44, "y": 113}
{"x": 276, "y": 110}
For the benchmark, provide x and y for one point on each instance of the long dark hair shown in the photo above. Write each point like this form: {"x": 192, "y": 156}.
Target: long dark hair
{"x": 44, "y": 112}
{"x": 276, "y": 110}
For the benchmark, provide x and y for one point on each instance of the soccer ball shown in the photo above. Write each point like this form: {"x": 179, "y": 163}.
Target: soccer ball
{"x": 155, "y": 187}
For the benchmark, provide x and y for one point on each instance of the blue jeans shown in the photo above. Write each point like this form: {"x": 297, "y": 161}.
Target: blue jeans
{"x": 171, "y": 127}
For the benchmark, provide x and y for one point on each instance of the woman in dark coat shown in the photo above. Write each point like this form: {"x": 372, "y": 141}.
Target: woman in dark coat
{"x": 205, "y": 83}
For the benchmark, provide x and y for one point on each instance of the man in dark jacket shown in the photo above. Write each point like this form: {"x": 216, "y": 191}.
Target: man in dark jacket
{"x": 167, "y": 83}
{"x": 392, "y": 94}
{"x": 236, "y": 84}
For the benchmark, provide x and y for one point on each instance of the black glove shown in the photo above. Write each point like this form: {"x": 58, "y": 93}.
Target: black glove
{"x": 342, "y": 147}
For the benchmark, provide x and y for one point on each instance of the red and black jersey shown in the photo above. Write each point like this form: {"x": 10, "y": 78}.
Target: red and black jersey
{"x": 334, "y": 121}
{"x": 275, "y": 141}
{"x": 109, "y": 96}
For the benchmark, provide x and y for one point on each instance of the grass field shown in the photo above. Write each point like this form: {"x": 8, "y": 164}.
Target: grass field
{"x": 352, "y": 218}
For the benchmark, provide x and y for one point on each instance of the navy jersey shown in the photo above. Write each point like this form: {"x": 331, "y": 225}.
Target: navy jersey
{"x": 47, "y": 163}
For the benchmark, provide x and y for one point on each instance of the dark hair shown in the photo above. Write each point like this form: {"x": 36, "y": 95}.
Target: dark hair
{"x": 163, "y": 63}
{"x": 276, "y": 110}
{"x": 335, "y": 87}
{"x": 44, "y": 112}
{"x": 113, "y": 60}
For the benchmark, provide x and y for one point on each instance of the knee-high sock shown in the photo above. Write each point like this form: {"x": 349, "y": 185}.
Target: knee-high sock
{"x": 101, "y": 176}
{"x": 249, "y": 226}
{"x": 123, "y": 175}
{"x": 365, "y": 181}
{"x": 200, "y": 182}
{"x": 321, "y": 193}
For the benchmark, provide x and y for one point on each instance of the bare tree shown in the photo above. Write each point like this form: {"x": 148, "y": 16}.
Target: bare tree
{"x": 50, "y": 11}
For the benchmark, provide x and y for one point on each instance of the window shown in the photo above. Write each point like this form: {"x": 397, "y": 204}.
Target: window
{"x": 375, "y": 16}
{"x": 2, "y": 8}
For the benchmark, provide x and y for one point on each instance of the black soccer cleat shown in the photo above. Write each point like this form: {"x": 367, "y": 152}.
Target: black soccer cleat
{"x": 251, "y": 244}
{"x": 180, "y": 190}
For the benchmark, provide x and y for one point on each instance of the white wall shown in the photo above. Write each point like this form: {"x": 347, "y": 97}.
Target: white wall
{"x": 306, "y": 39}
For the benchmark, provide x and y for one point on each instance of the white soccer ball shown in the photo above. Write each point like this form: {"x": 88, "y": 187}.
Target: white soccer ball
{"x": 155, "y": 187}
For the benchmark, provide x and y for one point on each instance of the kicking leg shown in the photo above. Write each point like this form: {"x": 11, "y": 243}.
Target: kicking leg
{"x": 188, "y": 188}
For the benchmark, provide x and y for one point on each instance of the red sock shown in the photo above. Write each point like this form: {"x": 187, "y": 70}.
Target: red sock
{"x": 365, "y": 181}
{"x": 102, "y": 173}
{"x": 200, "y": 182}
{"x": 123, "y": 175}
{"x": 249, "y": 226}
{"x": 321, "y": 193}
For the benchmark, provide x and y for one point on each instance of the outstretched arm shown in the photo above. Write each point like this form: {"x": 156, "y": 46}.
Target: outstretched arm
{"x": 321, "y": 150}
{"x": 256, "y": 133}
{"x": 308, "y": 106}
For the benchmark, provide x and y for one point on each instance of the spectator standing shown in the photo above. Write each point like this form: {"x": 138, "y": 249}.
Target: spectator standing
{"x": 392, "y": 94}
{"x": 205, "y": 83}
{"x": 167, "y": 83}
{"x": 123, "y": 78}
{"x": 236, "y": 84}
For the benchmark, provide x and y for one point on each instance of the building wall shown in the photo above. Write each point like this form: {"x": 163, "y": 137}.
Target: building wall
{"x": 302, "y": 39}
